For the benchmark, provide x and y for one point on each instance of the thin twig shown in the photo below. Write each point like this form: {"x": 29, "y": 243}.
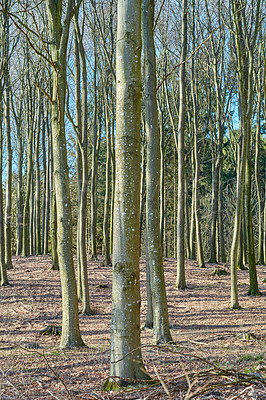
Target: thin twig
{"x": 163, "y": 383}
{"x": 186, "y": 60}
{"x": 240, "y": 394}
{"x": 49, "y": 366}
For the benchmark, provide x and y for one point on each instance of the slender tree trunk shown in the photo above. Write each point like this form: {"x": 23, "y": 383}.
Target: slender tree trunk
{"x": 59, "y": 37}
{"x": 187, "y": 225}
{"x": 258, "y": 176}
{"x": 45, "y": 169}
{"x": 264, "y": 227}
{"x": 3, "y": 272}
{"x": 142, "y": 186}
{"x": 112, "y": 171}
{"x": 32, "y": 213}
{"x": 94, "y": 161}
{"x": 26, "y": 208}
{"x": 82, "y": 211}
{"x": 220, "y": 217}
{"x": 78, "y": 152}
{"x": 200, "y": 255}
{"x": 161, "y": 331}
{"x": 37, "y": 200}
{"x": 48, "y": 185}
{"x": 149, "y": 315}
{"x": 244, "y": 48}
{"x": 162, "y": 197}
{"x": 180, "y": 279}
{"x": 54, "y": 250}
{"x": 253, "y": 282}
{"x": 192, "y": 213}
{"x": 8, "y": 203}
{"x": 106, "y": 221}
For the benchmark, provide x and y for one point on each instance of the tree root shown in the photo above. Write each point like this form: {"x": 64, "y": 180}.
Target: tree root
{"x": 52, "y": 330}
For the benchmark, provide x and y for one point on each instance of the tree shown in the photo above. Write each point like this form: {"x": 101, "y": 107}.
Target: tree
{"x": 59, "y": 32}
{"x": 3, "y": 273}
{"x": 180, "y": 250}
{"x": 200, "y": 255}
{"x": 8, "y": 203}
{"x": 245, "y": 43}
{"x": 126, "y": 359}
{"x": 82, "y": 153}
{"x": 161, "y": 331}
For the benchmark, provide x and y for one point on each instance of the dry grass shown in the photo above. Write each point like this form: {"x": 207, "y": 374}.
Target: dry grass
{"x": 219, "y": 353}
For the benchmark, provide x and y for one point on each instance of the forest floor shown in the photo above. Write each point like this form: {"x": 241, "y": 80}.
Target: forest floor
{"x": 218, "y": 353}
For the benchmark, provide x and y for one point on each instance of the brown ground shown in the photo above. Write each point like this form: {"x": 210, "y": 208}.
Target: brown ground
{"x": 203, "y": 326}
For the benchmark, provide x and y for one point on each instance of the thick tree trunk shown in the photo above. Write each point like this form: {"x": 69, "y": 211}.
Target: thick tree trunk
{"x": 126, "y": 359}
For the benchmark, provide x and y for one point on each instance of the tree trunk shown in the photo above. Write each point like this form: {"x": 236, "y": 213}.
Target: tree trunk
{"x": 253, "y": 282}
{"x": 3, "y": 273}
{"x": 37, "y": 200}
{"x": 200, "y": 255}
{"x": 8, "y": 203}
{"x": 192, "y": 213}
{"x": 244, "y": 49}
{"x": 94, "y": 159}
{"x": 126, "y": 359}
{"x": 26, "y": 208}
{"x": 59, "y": 37}
{"x": 161, "y": 331}
{"x": 106, "y": 220}
{"x": 82, "y": 211}
{"x": 220, "y": 216}
{"x": 257, "y": 175}
{"x": 180, "y": 250}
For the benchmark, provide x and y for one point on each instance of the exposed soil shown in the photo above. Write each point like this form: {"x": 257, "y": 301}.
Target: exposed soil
{"x": 216, "y": 349}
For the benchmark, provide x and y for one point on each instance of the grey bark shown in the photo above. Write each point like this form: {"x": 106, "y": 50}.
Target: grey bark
{"x": 126, "y": 359}
{"x": 8, "y": 202}
{"x": 3, "y": 272}
{"x": 200, "y": 255}
{"x": 107, "y": 197}
{"x": 161, "y": 331}
{"x": 82, "y": 210}
{"x": 180, "y": 235}
{"x": 59, "y": 33}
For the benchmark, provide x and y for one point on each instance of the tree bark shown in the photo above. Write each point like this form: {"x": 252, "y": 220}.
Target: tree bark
{"x": 8, "y": 202}
{"x": 161, "y": 331}
{"x": 59, "y": 37}
{"x": 126, "y": 359}
{"x": 3, "y": 272}
{"x": 180, "y": 250}
{"x": 82, "y": 210}
{"x": 200, "y": 255}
